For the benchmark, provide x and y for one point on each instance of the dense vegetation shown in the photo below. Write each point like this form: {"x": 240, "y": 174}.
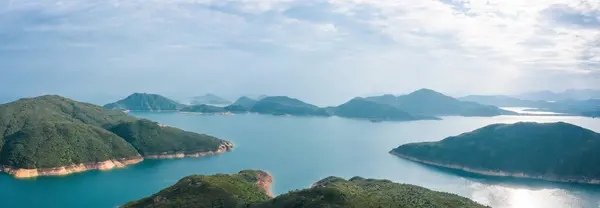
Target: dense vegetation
{"x": 52, "y": 131}
{"x": 551, "y": 150}
{"x": 210, "y": 99}
{"x": 149, "y": 138}
{"x": 364, "y": 109}
{"x": 367, "y": 193}
{"x": 145, "y": 102}
{"x": 281, "y": 105}
{"x": 216, "y": 191}
{"x": 241, "y": 191}
{"x": 203, "y": 109}
{"x": 432, "y": 103}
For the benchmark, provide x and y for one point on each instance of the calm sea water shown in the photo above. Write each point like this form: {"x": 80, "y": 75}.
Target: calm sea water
{"x": 298, "y": 151}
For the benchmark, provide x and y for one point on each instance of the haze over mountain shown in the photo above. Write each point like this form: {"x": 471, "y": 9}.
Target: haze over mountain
{"x": 429, "y": 102}
{"x": 210, "y": 99}
{"x": 322, "y": 52}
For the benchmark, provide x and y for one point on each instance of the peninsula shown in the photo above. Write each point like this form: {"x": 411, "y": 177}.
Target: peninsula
{"x": 559, "y": 152}
{"x": 250, "y": 189}
{"x": 52, "y": 135}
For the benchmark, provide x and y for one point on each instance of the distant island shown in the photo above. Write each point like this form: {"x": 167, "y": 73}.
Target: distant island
{"x": 559, "y": 152}
{"x": 364, "y": 109}
{"x": 424, "y": 104}
{"x": 209, "y": 99}
{"x": 283, "y": 105}
{"x": 431, "y": 103}
{"x": 145, "y": 102}
{"x": 250, "y": 188}
{"x": 52, "y": 135}
{"x": 565, "y": 107}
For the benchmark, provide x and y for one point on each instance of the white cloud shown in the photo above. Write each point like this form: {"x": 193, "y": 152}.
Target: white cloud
{"x": 345, "y": 47}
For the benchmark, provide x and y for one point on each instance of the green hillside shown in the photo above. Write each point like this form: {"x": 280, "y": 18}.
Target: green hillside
{"x": 51, "y": 131}
{"x": 145, "y": 102}
{"x": 551, "y": 151}
{"x": 241, "y": 190}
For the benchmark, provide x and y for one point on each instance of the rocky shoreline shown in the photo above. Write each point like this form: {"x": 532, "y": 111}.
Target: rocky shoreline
{"x": 265, "y": 180}
{"x": 224, "y": 147}
{"x": 76, "y": 168}
{"x": 105, "y": 165}
{"x": 498, "y": 173}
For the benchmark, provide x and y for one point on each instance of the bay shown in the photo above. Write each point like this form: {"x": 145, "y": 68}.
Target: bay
{"x": 298, "y": 151}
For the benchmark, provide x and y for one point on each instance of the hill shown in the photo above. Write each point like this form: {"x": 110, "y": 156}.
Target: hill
{"x": 52, "y": 135}
{"x": 282, "y": 105}
{"x": 432, "y": 103}
{"x": 199, "y": 191}
{"x": 145, "y": 102}
{"x": 210, "y": 99}
{"x": 548, "y": 151}
{"x": 364, "y": 109}
{"x": 247, "y": 189}
{"x": 245, "y": 102}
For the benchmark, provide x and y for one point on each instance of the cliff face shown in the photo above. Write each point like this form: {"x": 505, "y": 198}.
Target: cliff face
{"x": 265, "y": 180}
{"x": 76, "y": 168}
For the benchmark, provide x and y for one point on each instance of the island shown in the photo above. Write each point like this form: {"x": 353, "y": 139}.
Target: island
{"x": 250, "y": 188}
{"x": 145, "y": 102}
{"x": 245, "y": 102}
{"x": 559, "y": 152}
{"x": 53, "y": 135}
{"x": 209, "y": 99}
{"x": 283, "y": 105}
{"x": 360, "y": 108}
{"x": 432, "y": 103}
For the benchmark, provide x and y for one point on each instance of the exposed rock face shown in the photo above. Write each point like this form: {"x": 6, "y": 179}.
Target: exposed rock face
{"x": 265, "y": 180}
{"x": 106, "y": 165}
{"x": 65, "y": 170}
{"x": 224, "y": 147}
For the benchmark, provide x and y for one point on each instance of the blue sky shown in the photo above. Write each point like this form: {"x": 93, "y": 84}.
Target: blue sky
{"x": 323, "y": 52}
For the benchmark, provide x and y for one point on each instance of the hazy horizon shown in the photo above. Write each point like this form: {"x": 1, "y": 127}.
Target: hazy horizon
{"x": 322, "y": 52}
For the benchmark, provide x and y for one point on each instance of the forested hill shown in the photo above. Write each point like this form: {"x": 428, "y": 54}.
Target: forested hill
{"x": 52, "y": 131}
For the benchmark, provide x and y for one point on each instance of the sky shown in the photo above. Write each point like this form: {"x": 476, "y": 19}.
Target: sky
{"x": 323, "y": 52}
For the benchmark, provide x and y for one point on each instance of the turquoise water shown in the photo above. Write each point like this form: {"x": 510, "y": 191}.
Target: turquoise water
{"x": 298, "y": 151}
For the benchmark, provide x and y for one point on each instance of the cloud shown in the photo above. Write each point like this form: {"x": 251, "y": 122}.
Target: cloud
{"x": 322, "y": 50}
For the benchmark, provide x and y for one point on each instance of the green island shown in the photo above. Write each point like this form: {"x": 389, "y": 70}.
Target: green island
{"x": 53, "y": 135}
{"x": 145, "y": 102}
{"x": 361, "y": 108}
{"x": 432, "y": 103}
{"x": 282, "y": 105}
{"x": 250, "y": 189}
{"x": 560, "y": 152}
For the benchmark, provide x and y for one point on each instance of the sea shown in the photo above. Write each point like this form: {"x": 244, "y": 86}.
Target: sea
{"x": 299, "y": 151}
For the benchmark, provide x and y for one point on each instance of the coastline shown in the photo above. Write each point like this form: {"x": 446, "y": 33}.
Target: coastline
{"x": 105, "y": 165}
{"x": 498, "y": 173}
{"x": 265, "y": 180}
